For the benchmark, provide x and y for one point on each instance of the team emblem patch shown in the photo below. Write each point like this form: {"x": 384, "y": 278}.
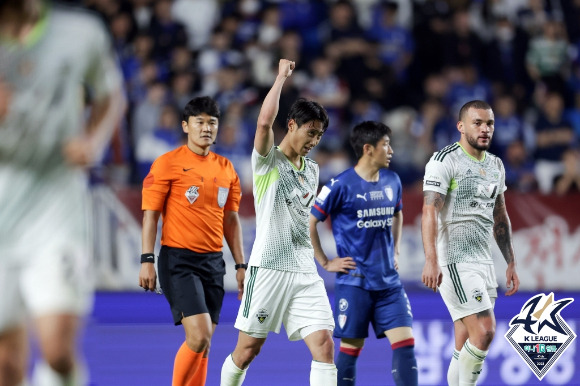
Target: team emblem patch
{"x": 192, "y": 194}
{"x": 262, "y": 315}
{"x": 342, "y": 304}
{"x": 222, "y": 196}
{"x": 341, "y": 320}
{"x": 389, "y": 192}
{"x": 477, "y": 294}
{"x": 539, "y": 333}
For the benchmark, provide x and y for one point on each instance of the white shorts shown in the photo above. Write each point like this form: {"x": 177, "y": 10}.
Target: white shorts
{"x": 468, "y": 288}
{"x": 49, "y": 282}
{"x": 271, "y": 297}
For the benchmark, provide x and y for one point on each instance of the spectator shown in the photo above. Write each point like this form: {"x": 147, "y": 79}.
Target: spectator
{"x": 570, "y": 178}
{"x": 509, "y": 127}
{"x": 554, "y": 135}
{"x": 519, "y": 167}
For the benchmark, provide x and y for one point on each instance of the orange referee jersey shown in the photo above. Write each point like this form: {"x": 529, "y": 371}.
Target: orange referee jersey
{"x": 192, "y": 192}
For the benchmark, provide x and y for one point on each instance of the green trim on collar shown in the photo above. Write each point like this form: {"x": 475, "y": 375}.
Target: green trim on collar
{"x": 470, "y": 156}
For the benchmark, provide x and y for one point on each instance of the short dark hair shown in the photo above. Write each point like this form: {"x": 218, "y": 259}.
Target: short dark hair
{"x": 200, "y": 105}
{"x": 476, "y": 104}
{"x": 367, "y": 133}
{"x": 304, "y": 110}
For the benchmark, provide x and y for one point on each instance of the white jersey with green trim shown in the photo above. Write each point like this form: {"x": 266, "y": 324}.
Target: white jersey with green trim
{"x": 66, "y": 53}
{"x": 283, "y": 196}
{"x": 465, "y": 223}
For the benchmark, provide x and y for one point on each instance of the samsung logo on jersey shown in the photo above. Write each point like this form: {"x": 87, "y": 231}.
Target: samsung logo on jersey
{"x": 380, "y": 211}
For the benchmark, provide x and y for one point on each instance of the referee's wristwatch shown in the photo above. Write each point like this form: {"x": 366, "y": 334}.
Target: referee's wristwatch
{"x": 243, "y": 265}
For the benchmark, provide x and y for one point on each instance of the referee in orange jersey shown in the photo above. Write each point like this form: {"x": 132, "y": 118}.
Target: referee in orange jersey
{"x": 197, "y": 193}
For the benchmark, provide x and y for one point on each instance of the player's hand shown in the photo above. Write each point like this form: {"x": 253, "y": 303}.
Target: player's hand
{"x": 240, "y": 276}
{"x": 147, "y": 276}
{"x": 340, "y": 264}
{"x": 285, "y": 67}
{"x": 396, "y": 259}
{"x": 513, "y": 281}
{"x": 432, "y": 275}
{"x": 79, "y": 152}
{"x": 5, "y": 99}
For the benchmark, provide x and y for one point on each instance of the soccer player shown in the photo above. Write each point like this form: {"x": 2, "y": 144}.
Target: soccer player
{"x": 463, "y": 206}
{"x": 197, "y": 193}
{"x": 366, "y": 209}
{"x": 48, "y": 56}
{"x": 283, "y": 285}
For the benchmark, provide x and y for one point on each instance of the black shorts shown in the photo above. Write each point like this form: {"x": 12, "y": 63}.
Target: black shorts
{"x": 193, "y": 283}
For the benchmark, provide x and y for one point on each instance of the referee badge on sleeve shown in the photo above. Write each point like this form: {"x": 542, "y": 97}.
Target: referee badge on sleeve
{"x": 222, "y": 196}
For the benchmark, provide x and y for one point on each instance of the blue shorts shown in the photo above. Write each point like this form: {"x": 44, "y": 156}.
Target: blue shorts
{"x": 355, "y": 308}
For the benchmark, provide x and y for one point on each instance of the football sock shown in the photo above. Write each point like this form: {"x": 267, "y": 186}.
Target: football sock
{"x": 185, "y": 366}
{"x": 322, "y": 374}
{"x": 346, "y": 365}
{"x": 470, "y": 362}
{"x": 201, "y": 373}
{"x": 404, "y": 367}
{"x": 44, "y": 375}
{"x": 232, "y": 375}
{"x": 453, "y": 370}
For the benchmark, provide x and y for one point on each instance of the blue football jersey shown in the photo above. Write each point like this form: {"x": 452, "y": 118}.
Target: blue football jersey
{"x": 361, "y": 213}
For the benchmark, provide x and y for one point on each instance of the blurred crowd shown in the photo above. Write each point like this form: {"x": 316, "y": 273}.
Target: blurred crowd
{"x": 408, "y": 63}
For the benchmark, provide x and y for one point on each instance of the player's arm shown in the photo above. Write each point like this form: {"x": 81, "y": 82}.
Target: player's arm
{"x": 233, "y": 236}
{"x": 432, "y": 204}
{"x": 105, "y": 115}
{"x": 338, "y": 264}
{"x": 397, "y": 229}
{"x": 264, "y": 138}
{"x": 502, "y": 232}
{"x": 147, "y": 274}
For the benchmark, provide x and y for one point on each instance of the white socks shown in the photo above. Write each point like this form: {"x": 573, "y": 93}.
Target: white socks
{"x": 322, "y": 374}
{"x": 453, "y": 371}
{"x": 470, "y": 362}
{"x": 232, "y": 375}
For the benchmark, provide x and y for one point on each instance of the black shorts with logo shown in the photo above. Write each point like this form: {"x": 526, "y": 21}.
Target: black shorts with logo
{"x": 193, "y": 283}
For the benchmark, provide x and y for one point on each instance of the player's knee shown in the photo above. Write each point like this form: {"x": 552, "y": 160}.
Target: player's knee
{"x": 243, "y": 357}
{"x": 198, "y": 342}
{"x": 60, "y": 362}
{"x": 12, "y": 370}
{"x": 488, "y": 337}
{"x": 325, "y": 351}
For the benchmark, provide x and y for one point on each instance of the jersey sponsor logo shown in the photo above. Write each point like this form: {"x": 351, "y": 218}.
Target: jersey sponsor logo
{"x": 222, "y": 196}
{"x": 378, "y": 211}
{"x": 304, "y": 199}
{"x": 477, "y": 294}
{"x": 332, "y": 181}
{"x": 389, "y": 192}
{"x": 341, "y": 320}
{"x": 324, "y": 192}
{"x": 363, "y": 196}
{"x": 434, "y": 183}
{"x": 186, "y": 170}
{"x": 486, "y": 191}
{"x": 539, "y": 334}
{"x": 342, "y": 304}
{"x": 262, "y": 315}
{"x": 374, "y": 223}
{"x": 192, "y": 194}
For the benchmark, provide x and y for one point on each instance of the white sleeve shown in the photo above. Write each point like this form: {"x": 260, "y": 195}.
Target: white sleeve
{"x": 262, "y": 165}
{"x": 437, "y": 176}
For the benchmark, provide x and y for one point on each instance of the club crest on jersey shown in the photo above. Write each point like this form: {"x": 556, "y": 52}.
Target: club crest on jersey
{"x": 539, "y": 334}
{"x": 342, "y": 304}
{"x": 222, "y": 196}
{"x": 341, "y": 320}
{"x": 262, "y": 315}
{"x": 192, "y": 194}
{"x": 389, "y": 192}
{"x": 477, "y": 294}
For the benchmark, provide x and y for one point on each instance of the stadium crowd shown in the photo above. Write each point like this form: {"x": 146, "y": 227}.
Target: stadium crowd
{"x": 409, "y": 64}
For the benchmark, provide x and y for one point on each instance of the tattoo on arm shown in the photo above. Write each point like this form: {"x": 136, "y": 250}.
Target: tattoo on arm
{"x": 434, "y": 198}
{"x": 502, "y": 231}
